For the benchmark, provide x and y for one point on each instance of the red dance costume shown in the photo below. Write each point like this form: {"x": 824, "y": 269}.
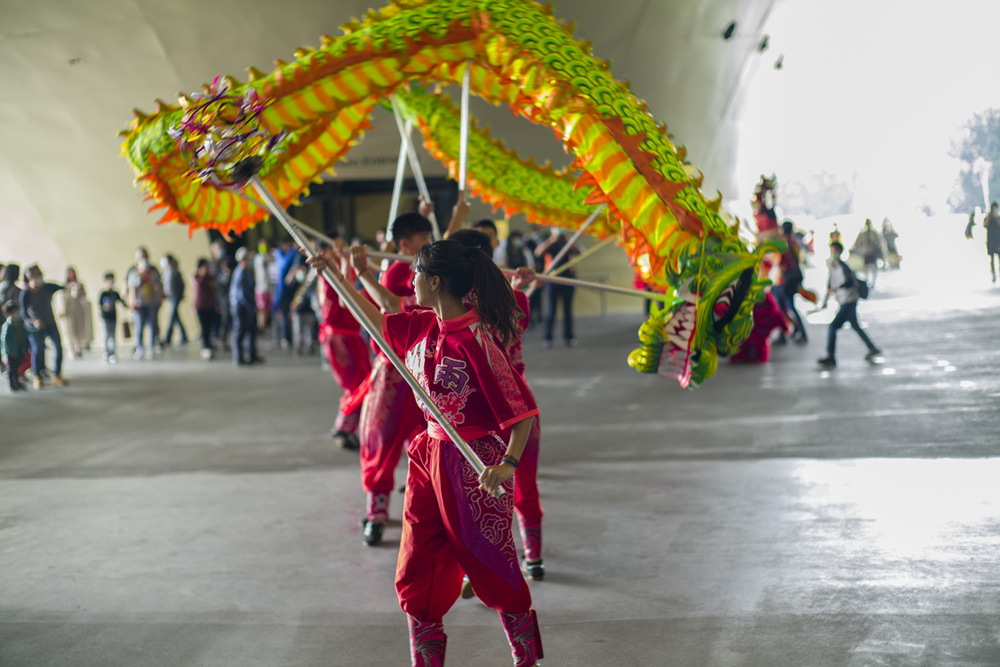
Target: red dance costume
{"x": 527, "y": 503}
{"x": 350, "y": 361}
{"x": 767, "y": 317}
{"x": 390, "y": 418}
{"x": 450, "y": 526}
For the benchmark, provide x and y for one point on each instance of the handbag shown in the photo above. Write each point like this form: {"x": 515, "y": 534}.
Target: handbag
{"x": 126, "y": 329}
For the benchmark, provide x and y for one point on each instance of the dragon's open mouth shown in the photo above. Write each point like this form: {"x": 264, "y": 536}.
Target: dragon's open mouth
{"x": 679, "y": 330}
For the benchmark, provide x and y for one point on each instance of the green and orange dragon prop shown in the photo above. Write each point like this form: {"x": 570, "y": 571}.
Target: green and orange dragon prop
{"x": 313, "y": 110}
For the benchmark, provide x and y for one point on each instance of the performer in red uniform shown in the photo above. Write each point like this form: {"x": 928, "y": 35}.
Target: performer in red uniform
{"x": 527, "y": 503}
{"x": 350, "y": 360}
{"x": 390, "y": 418}
{"x": 452, "y": 523}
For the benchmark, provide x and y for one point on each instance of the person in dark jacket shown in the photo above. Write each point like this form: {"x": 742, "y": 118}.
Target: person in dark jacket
{"x": 36, "y": 311}
{"x": 243, "y": 306}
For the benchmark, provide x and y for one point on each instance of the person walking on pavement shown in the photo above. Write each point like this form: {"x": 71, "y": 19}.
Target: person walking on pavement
{"x": 992, "y": 225}
{"x": 845, "y": 286}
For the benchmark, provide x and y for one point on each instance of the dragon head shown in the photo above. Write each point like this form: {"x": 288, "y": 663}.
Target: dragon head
{"x": 711, "y": 313}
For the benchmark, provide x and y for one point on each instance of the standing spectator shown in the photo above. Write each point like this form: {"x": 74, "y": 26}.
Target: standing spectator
{"x": 285, "y": 258}
{"x": 206, "y": 305}
{"x": 516, "y": 257}
{"x": 75, "y": 311}
{"x": 36, "y": 311}
{"x": 13, "y": 344}
{"x": 262, "y": 279}
{"x": 302, "y": 286}
{"x": 554, "y": 294}
{"x": 889, "y": 236}
{"x": 9, "y": 289}
{"x": 531, "y": 243}
{"x": 992, "y": 225}
{"x": 869, "y": 246}
{"x": 243, "y": 308}
{"x": 221, "y": 267}
{"x": 844, "y": 285}
{"x": 108, "y": 301}
{"x": 173, "y": 289}
{"x": 144, "y": 288}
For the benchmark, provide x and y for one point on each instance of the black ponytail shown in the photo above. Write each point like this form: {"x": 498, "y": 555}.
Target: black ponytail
{"x": 469, "y": 269}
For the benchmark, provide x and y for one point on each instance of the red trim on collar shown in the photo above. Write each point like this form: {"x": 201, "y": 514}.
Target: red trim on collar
{"x": 460, "y": 322}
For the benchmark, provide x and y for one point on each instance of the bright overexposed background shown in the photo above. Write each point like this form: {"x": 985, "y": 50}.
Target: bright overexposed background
{"x": 873, "y": 90}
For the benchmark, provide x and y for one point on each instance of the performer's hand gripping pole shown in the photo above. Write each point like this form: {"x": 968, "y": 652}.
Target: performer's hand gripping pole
{"x": 279, "y": 212}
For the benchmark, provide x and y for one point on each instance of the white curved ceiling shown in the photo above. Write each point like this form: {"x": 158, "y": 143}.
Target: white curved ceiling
{"x": 72, "y": 71}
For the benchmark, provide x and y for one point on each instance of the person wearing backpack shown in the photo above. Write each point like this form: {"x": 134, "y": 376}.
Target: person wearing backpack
{"x": 847, "y": 289}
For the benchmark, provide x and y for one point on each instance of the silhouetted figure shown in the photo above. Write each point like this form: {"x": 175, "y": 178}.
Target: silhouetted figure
{"x": 992, "y": 225}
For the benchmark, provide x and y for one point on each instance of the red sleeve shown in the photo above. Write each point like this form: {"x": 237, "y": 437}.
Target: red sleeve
{"x": 402, "y": 330}
{"x": 398, "y": 279}
{"x": 505, "y": 391}
{"x": 525, "y": 305}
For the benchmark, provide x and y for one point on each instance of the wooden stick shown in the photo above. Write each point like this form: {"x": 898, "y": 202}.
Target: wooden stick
{"x": 576, "y": 237}
{"x": 583, "y": 255}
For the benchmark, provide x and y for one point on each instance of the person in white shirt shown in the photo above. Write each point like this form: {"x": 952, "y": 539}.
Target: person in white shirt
{"x": 843, "y": 284}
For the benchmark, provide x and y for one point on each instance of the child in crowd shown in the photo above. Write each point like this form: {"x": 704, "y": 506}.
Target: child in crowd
{"x": 452, "y": 523}
{"x": 109, "y": 300}
{"x": 13, "y": 344}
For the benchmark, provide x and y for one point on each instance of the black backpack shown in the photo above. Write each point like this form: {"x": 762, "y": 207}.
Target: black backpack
{"x": 860, "y": 286}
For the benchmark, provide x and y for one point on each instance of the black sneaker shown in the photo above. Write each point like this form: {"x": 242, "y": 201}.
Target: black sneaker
{"x": 344, "y": 440}
{"x": 872, "y": 356}
{"x": 533, "y": 570}
{"x": 827, "y": 362}
{"x": 373, "y": 533}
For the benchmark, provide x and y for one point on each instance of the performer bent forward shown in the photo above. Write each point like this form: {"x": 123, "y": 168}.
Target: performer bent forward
{"x": 451, "y": 520}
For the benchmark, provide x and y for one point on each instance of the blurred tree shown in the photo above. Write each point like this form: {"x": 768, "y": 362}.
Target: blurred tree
{"x": 978, "y": 149}
{"x": 821, "y": 195}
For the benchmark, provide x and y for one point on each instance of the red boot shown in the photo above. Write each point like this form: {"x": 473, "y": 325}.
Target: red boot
{"x": 524, "y": 637}
{"x": 427, "y": 642}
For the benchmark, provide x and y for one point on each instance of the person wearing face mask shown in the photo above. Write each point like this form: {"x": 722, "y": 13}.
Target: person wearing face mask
{"x": 516, "y": 257}
{"x": 144, "y": 287}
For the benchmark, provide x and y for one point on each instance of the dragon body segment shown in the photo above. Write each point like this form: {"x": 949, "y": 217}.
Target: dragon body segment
{"x": 518, "y": 55}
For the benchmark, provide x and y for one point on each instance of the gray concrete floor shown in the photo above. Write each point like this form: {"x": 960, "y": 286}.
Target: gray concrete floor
{"x": 178, "y": 512}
